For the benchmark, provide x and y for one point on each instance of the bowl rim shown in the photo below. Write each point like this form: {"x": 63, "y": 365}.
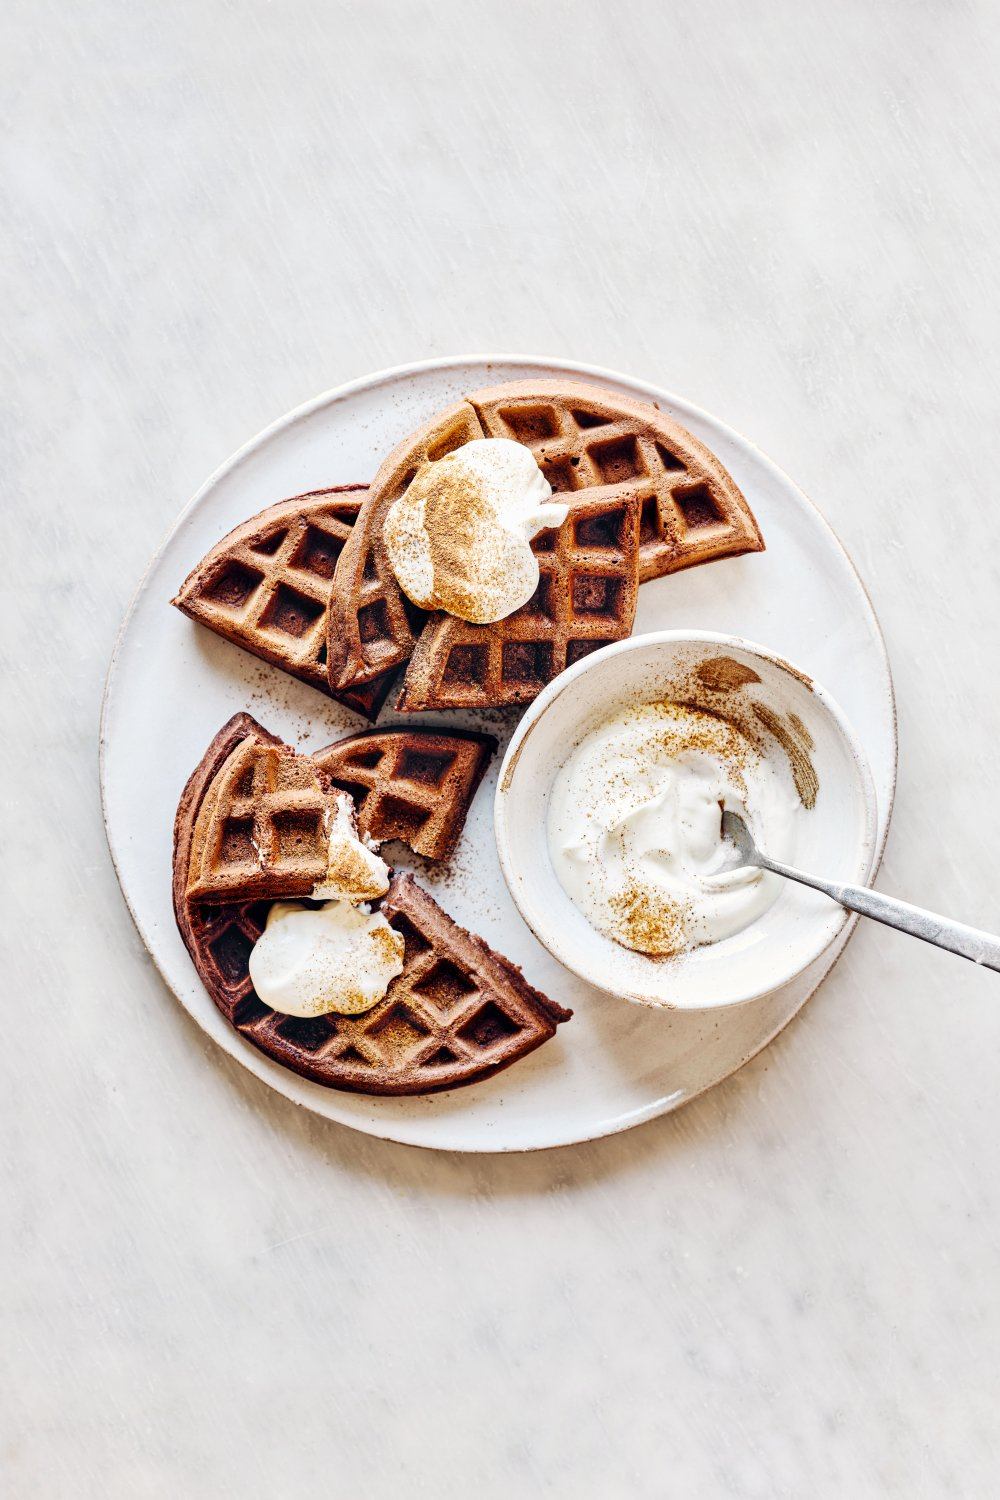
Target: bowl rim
{"x": 540, "y": 707}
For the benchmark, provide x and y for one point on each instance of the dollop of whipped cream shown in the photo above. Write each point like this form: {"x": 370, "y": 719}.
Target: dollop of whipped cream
{"x": 309, "y": 961}
{"x": 355, "y": 871}
{"x": 635, "y": 828}
{"x": 458, "y": 539}
{"x": 340, "y": 956}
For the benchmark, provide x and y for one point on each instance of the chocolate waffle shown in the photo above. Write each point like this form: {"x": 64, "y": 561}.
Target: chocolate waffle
{"x": 262, "y": 828}
{"x": 457, "y": 1014}
{"x": 413, "y": 785}
{"x": 584, "y": 436}
{"x": 585, "y": 598}
{"x": 266, "y": 587}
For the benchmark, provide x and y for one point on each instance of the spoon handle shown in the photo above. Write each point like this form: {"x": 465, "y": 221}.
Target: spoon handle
{"x": 968, "y": 942}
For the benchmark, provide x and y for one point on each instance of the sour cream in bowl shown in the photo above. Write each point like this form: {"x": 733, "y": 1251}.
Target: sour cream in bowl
{"x": 609, "y": 807}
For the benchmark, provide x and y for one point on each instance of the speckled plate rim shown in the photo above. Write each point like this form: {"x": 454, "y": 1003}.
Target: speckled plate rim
{"x": 287, "y": 1082}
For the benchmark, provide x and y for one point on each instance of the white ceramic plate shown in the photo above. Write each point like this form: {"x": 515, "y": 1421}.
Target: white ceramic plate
{"x": 172, "y": 684}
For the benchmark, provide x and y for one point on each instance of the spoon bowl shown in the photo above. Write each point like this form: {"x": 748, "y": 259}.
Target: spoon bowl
{"x": 736, "y": 833}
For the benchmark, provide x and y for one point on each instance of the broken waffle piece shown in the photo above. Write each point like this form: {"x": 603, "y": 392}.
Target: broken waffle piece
{"x": 412, "y": 785}
{"x": 273, "y": 823}
{"x": 266, "y": 587}
{"x": 264, "y": 826}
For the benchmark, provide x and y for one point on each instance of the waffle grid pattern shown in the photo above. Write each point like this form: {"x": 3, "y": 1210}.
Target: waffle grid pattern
{"x": 267, "y": 585}
{"x": 436, "y": 1014}
{"x": 585, "y": 599}
{"x": 456, "y": 1012}
{"x": 416, "y": 787}
{"x": 691, "y": 509}
{"x": 266, "y": 827}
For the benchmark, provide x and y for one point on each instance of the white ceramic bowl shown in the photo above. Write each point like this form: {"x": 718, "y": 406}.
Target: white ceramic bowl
{"x": 836, "y": 838}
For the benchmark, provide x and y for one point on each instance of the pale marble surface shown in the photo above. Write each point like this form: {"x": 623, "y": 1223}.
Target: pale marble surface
{"x": 787, "y": 212}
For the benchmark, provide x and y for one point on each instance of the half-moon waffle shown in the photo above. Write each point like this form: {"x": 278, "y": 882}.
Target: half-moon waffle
{"x": 413, "y": 785}
{"x": 266, "y": 587}
{"x": 583, "y": 436}
{"x": 457, "y": 1014}
{"x": 586, "y": 598}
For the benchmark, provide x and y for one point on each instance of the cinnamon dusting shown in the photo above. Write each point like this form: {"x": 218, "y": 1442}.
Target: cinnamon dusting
{"x": 461, "y": 527}
{"x": 351, "y": 874}
{"x": 801, "y": 731}
{"x": 653, "y": 925}
{"x": 723, "y": 674}
{"x": 796, "y": 742}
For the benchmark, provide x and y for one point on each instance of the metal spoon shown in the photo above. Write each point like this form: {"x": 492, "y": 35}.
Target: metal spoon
{"x": 967, "y": 942}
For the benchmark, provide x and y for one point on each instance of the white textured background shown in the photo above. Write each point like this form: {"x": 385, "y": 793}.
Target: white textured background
{"x": 788, "y": 212}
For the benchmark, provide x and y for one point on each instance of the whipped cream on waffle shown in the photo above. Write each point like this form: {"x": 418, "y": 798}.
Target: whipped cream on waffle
{"x": 635, "y": 828}
{"x": 340, "y": 956}
{"x": 309, "y": 961}
{"x": 355, "y": 871}
{"x": 458, "y": 539}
